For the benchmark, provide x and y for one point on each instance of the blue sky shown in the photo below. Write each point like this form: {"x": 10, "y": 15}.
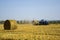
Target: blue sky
{"x": 30, "y": 9}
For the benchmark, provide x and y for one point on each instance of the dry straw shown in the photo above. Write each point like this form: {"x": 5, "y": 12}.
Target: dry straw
{"x": 10, "y": 24}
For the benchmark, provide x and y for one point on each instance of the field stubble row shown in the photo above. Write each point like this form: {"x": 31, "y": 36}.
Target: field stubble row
{"x": 32, "y": 32}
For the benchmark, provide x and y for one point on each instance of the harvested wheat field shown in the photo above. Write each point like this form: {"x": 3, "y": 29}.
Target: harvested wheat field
{"x": 31, "y": 32}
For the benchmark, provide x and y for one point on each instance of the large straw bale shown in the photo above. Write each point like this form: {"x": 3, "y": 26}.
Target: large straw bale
{"x": 10, "y": 24}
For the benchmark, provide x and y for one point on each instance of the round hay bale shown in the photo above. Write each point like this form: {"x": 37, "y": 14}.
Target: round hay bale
{"x": 35, "y": 22}
{"x": 10, "y": 24}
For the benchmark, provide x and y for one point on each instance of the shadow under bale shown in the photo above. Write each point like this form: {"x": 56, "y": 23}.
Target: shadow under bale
{"x": 10, "y": 25}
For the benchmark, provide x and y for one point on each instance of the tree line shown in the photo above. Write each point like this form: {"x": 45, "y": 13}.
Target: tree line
{"x": 26, "y": 22}
{"x": 54, "y": 22}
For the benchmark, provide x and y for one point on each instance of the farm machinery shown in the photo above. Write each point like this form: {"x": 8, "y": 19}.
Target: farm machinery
{"x": 42, "y": 22}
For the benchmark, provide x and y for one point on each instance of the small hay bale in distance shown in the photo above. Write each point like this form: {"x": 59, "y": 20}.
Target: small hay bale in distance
{"x": 10, "y": 24}
{"x": 35, "y": 22}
